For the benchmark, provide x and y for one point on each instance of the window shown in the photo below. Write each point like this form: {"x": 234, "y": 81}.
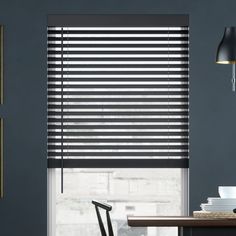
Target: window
{"x": 117, "y": 118}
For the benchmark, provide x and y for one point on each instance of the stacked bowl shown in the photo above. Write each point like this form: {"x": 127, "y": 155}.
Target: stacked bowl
{"x": 225, "y": 203}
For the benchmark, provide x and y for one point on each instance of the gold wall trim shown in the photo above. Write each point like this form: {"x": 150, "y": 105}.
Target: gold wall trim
{"x": 1, "y": 158}
{"x": 1, "y": 64}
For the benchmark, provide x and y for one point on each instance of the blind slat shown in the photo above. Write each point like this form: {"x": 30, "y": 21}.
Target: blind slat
{"x": 121, "y": 93}
{"x": 113, "y": 133}
{"x": 120, "y": 113}
{"x": 126, "y": 100}
{"x": 119, "y": 154}
{"x": 121, "y": 140}
{"x": 145, "y": 120}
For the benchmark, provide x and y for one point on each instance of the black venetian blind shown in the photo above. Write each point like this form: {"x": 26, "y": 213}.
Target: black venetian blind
{"x": 118, "y": 91}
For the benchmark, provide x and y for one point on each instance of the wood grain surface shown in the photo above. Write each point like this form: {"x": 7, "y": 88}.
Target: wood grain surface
{"x": 179, "y": 221}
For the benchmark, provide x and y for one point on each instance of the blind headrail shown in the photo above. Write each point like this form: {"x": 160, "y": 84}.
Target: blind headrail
{"x": 119, "y": 20}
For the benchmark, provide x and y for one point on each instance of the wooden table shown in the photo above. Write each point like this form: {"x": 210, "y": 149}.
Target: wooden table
{"x": 188, "y": 226}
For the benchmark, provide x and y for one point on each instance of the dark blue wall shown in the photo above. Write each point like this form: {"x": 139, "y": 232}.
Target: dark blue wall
{"x": 212, "y": 114}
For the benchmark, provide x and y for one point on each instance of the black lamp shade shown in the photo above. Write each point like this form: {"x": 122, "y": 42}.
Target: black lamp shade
{"x": 226, "y": 52}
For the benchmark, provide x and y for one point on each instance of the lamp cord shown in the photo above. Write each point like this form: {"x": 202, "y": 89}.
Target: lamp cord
{"x": 233, "y": 77}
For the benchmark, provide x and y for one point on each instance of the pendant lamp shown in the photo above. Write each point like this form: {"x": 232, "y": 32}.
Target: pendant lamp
{"x": 226, "y": 52}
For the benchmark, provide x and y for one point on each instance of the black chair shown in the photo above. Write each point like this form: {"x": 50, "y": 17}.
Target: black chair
{"x": 124, "y": 231}
{"x": 107, "y": 208}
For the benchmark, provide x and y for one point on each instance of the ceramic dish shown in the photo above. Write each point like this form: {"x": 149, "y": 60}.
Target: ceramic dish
{"x": 227, "y": 191}
{"x": 217, "y": 208}
{"x": 221, "y": 201}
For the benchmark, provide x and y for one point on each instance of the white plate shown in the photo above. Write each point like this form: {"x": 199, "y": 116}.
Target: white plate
{"x": 217, "y": 208}
{"x": 221, "y": 201}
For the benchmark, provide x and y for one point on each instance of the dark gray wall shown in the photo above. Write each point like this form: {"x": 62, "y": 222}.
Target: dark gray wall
{"x": 212, "y": 114}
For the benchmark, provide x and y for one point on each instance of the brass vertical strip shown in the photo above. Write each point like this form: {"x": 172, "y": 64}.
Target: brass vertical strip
{"x": 1, "y": 65}
{"x": 1, "y": 158}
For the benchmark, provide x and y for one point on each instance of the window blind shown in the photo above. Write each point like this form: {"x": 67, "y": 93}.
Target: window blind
{"x": 118, "y": 93}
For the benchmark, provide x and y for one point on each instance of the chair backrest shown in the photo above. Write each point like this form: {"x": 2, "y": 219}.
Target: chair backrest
{"x": 107, "y": 208}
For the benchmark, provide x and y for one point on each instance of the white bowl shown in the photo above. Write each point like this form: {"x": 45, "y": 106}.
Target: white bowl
{"x": 227, "y": 191}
